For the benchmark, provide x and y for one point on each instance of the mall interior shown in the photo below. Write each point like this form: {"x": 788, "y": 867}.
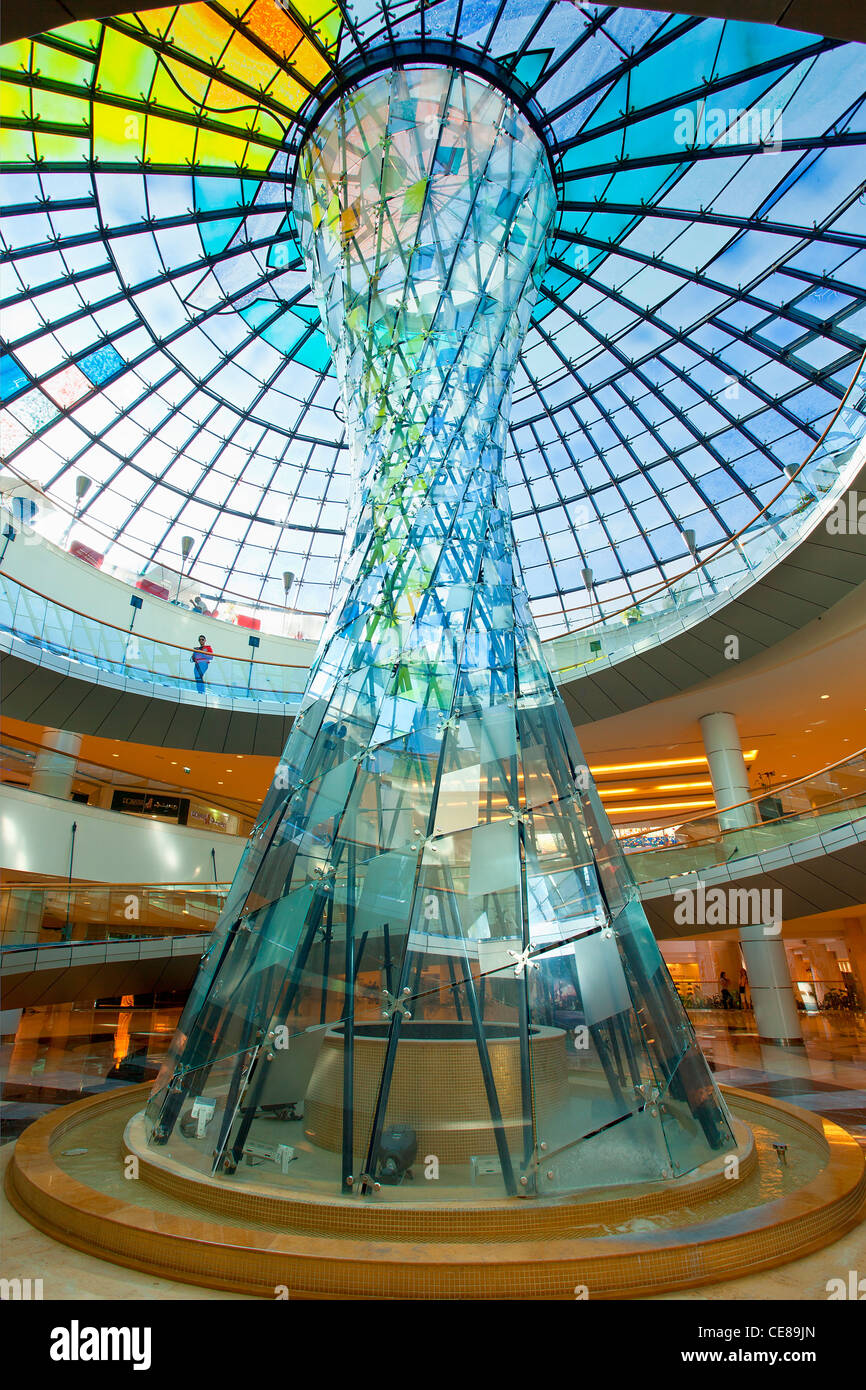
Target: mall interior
{"x": 433, "y": 631}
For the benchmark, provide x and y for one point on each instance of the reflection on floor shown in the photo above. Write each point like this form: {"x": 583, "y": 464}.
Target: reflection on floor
{"x": 828, "y": 1077}
{"x": 66, "y": 1051}
{"x": 61, "y": 1053}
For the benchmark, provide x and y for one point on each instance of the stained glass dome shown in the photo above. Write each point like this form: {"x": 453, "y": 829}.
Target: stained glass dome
{"x": 699, "y": 321}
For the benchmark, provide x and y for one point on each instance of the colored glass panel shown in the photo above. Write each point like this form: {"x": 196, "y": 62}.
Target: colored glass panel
{"x": 699, "y": 321}
{"x": 433, "y": 921}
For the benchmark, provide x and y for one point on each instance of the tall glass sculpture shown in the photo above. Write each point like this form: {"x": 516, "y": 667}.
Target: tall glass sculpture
{"x": 432, "y": 962}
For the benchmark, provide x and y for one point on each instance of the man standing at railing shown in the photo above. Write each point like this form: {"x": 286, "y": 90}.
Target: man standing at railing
{"x": 201, "y": 658}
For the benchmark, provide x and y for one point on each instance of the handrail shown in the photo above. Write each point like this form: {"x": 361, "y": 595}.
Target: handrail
{"x": 740, "y": 830}
{"x": 641, "y": 594}
{"x": 767, "y": 791}
{"x": 85, "y": 885}
{"x": 78, "y": 515}
{"x": 143, "y": 636}
{"x": 220, "y": 802}
{"x": 729, "y": 541}
{"x": 100, "y": 941}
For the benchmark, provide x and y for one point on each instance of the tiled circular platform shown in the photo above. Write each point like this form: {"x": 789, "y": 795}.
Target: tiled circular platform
{"x": 70, "y": 1178}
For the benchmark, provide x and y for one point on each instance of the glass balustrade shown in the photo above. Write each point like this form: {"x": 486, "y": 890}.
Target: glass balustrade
{"x": 813, "y": 994}
{"x": 811, "y": 494}
{"x": 114, "y": 789}
{"x": 135, "y": 659}
{"x": 590, "y": 636}
{"x": 47, "y": 914}
{"x": 43, "y": 520}
{"x": 811, "y": 806}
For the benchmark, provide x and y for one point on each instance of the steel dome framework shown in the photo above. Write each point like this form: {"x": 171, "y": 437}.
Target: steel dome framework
{"x": 700, "y": 318}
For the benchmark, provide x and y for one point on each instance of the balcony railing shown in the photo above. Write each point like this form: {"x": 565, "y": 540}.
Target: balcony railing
{"x": 810, "y": 806}
{"x": 38, "y": 913}
{"x": 100, "y": 783}
{"x": 598, "y": 631}
{"x": 835, "y": 995}
{"x": 655, "y": 615}
{"x": 133, "y": 659}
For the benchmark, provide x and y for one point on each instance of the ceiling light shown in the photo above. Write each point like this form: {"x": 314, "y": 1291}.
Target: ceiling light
{"x": 684, "y": 786}
{"x": 660, "y": 764}
{"x": 645, "y": 767}
{"x": 662, "y": 806}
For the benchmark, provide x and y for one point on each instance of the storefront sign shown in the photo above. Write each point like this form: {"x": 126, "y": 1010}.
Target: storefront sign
{"x": 175, "y": 808}
{"x": 209, "y": 818}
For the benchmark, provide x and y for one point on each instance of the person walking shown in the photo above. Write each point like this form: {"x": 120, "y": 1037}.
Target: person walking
{"x": 727, "y": 997}
{"x": 201, "y": 658}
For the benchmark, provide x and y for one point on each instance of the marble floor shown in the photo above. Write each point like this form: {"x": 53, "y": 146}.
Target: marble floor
{"x": 59, "y": 1054}
{"x": 64, "y": 1052}
{"x": 827, "y": 1076}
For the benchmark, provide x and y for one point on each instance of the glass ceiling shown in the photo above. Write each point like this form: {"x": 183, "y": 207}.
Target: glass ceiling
{"x": 700, "y": 319}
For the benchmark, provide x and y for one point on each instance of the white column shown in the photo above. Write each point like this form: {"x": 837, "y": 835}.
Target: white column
{"x": 764, "y": 952}
{"x": 54, "y": 769}
{"x": 728, "y": 770}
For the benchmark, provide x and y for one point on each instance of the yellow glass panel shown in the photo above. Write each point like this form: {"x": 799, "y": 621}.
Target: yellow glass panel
{"x": 169, "y": 142}
{"x": 61, "y": 149}
{"x": 64, "y": 110}
{"x": 310, "y": 64}
{"x": 248, "y": 64}
{"x": 117, "y": 134}
{"x": 287, "y": 92}
{"x": 258, "y": 158}
{"x": 62, "y": 67}
{"x": 16, "y": 55}
{"x": 213, "y": 147}
{"x": 267, "y": 125}
{"x": 84, "y": 32}
{"x": 16, "y": 146}
{"x": 14, "y": 101}
{"x": 125, "y": 65}
{"x": 167, "y": 93}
